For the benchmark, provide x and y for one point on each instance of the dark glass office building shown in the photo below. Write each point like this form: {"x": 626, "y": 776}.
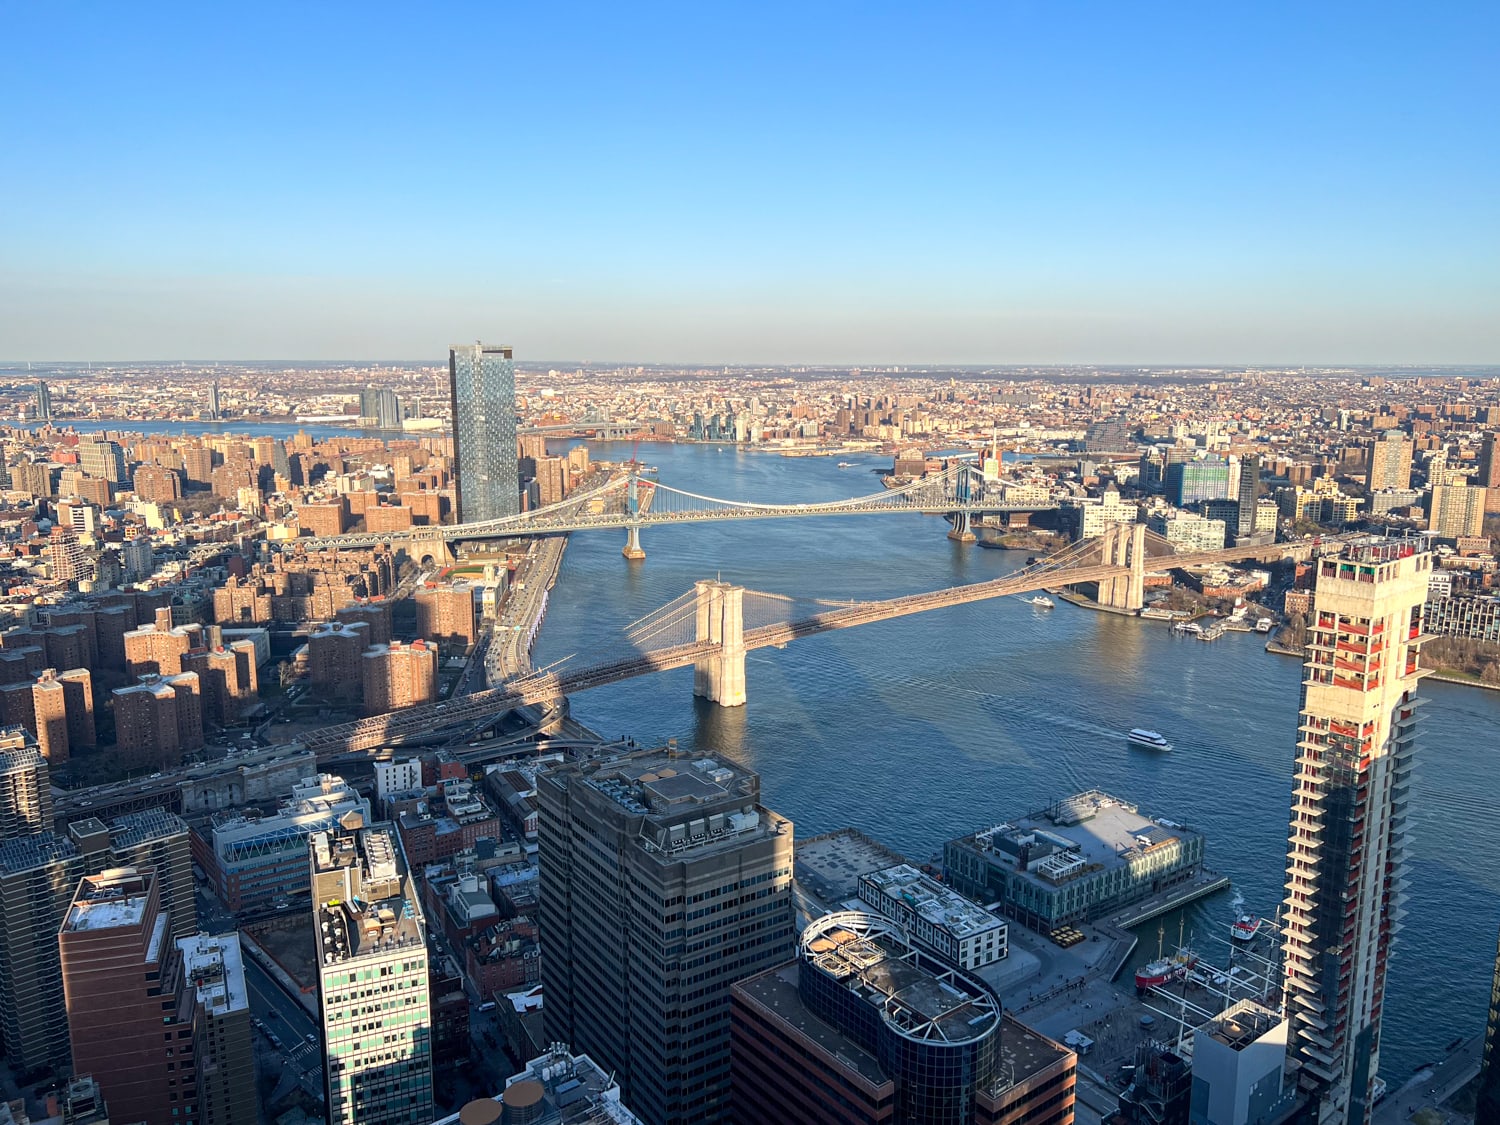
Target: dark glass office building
{"x": 664, "y": 882}
{"x": 934, "y": 1030}
{"x": 482, "y": 382}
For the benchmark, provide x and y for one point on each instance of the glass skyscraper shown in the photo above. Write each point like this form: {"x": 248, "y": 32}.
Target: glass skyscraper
{"x": 482, "y": 382}
{"x": 372, "y": 978}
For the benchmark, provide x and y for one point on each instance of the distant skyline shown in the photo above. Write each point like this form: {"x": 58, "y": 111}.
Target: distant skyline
{"x": 778, "y": 184}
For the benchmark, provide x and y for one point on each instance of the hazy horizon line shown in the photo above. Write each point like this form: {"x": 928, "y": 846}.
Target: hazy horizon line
{"x": 790, "y": 366}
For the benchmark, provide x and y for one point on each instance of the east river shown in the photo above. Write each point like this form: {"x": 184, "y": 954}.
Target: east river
{"x": 923, "y": 728}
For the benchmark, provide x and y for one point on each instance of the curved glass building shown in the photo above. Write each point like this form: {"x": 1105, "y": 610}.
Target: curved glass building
{"x": 934, "y": 1029}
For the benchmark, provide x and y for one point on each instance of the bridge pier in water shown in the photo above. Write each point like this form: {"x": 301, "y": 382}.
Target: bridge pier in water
{"x": 633, "y": 551}
{"x": 962, "y": 531}
{"x": 1124, "y": 545}
{"x": 720, "y": 677}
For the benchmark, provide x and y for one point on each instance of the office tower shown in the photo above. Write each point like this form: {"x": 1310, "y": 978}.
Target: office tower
{"x": 1456, "y": 510}
{"x": 38, "y": 876}
{"x": 129, "y": 1021}
{"x": 372, "y": 979}
{"x": 1348, "y": 822}
{"x": 398, "y": 675}
{"x": 1488, "y": 1094}
{"x": 482, "y": 383}
{"x": 159, "y": 840}
{"x": 103, "y": 459}
{"x": 556, "y": 1088}
{"x": 215, "y": 973}
{"x": 643, "y": 853}
{"x": 1248, "y": 492}
{"x": 43, "y": 401}
{"x": 1390, "y": 462}
{"x": 380, "y": 409}
{"x": 83, "y": 1102}
{"x": 213, "y": 399}
{"x": 1160, "y": 1090}
{"x": 25, "y": 787}
{"x": 863, "y": 1027}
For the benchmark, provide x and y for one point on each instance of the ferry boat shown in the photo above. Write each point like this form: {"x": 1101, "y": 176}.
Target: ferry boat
{"x": 1139, "y": 736}
{"x": 1042, "y": 600}
{"x": 1264, "y": 625}
{"x": 1188, "y": 628}
{"x": 1245, "y": 927}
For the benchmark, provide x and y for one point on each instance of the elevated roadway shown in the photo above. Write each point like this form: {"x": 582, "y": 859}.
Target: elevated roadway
{"x": 371, "y": 737}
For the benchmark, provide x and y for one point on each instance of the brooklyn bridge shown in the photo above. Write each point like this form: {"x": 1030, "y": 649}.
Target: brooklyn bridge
{"x": 711, "y": 627}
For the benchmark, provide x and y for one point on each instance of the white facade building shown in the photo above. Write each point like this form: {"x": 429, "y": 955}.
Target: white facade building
{"x": 397, "y": 777}
{"x": 936, "y": 916}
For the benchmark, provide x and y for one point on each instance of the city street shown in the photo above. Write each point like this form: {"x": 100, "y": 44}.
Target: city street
{"x": 1422, "y": 1098}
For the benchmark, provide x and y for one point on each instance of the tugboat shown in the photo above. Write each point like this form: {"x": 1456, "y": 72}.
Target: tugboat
{"x": 1245, "y": 927}
{"x": 1149, "y": 739}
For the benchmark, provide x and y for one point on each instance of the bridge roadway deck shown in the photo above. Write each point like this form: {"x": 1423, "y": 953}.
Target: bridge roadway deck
{"x": 458, "y": 533}
{"x": 379, "y": 731}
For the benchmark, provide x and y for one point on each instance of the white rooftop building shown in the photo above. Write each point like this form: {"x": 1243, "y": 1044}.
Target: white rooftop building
{"x": 936, "y": 916}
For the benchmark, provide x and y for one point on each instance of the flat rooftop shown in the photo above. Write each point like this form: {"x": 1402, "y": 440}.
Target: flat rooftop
{"x": 921, "y": 996}
{"x": 830, "y": 865}
{"x": 687, "y": 804}
{"x": 1092, "y": 830}
{"x": 1024, "y": 1052}
{"x": 215, "y": 967}
{"x": 938, "y": 904}
{"x": 776, "y": 991}
{"x": 106, "y": 913}
{"x": 1241, "y": 1024}
{"x": 370, "y": 911}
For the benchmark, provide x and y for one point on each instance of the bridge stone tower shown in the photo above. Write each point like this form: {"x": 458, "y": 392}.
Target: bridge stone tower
{"x": 1124, "y": 545}
{"x": 632, "y": 550}
{"x": 720, "y": 677}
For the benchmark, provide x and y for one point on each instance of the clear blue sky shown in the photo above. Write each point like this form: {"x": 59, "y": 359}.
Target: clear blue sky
{"x": 738, "y": 182}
